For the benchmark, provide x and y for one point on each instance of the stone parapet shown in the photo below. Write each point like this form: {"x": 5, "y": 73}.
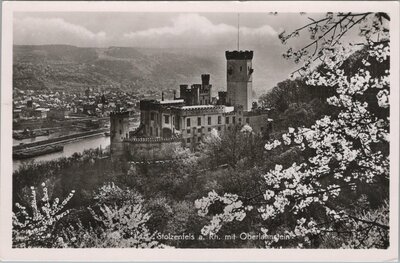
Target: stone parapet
{"x": 239, "y": 55}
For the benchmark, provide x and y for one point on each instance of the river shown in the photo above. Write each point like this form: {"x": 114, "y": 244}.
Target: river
{"x": 69, "y": 149}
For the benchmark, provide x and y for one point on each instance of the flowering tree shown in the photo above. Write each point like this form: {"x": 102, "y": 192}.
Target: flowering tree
{"x": 238, "y": 144}
{"x": 34, "y": 226}
{"x": 121, "y": 222}
{"x": 343, "y": 155}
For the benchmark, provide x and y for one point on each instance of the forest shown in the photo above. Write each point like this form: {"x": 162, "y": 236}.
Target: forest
{"x": 320, "y": 179}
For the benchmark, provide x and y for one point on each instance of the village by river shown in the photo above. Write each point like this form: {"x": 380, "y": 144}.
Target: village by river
{"x": 69, "y": 149}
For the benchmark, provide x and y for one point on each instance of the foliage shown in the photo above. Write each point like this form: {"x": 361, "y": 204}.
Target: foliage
{"x": 83, "y": 172}
{"x": 121, "y": 222}
{"x": 34, "y": 226}
{"x": 344, "y": 155}
{"x": 239, "y": 144}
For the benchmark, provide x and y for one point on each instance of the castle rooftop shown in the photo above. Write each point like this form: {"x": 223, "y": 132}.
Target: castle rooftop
{"x": 198, "y": 107}
{"x": 171, "y": 101}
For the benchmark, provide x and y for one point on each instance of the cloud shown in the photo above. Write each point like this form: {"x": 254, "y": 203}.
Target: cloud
{"x": 184, "y": 30}
{"x": 31, "y": 30}
{"x": 194, "y": 29}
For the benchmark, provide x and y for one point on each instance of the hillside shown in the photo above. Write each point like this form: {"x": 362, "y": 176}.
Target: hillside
{"x": 131, "y": 69}
{"x": 138, "y": 70}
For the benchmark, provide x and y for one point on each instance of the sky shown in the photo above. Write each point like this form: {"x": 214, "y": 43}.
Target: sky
{"x": 187, "y": 31}
{"x": 150, "y": 29}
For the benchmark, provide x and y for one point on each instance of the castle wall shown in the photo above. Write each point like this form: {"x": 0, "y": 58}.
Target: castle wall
{"x": 117, "y": 150}
{"x": 151, "y": 149}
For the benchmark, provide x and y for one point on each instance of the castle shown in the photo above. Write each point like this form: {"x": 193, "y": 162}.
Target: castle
{"x": 185, "y": 121}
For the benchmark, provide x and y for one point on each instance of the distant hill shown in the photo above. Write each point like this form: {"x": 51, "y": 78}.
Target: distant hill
{"x": 62, "y": 67}
{"x": 140, "y": 70}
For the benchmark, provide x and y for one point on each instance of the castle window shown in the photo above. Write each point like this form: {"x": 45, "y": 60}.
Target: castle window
{"x": 188, "y": 130}
{"x": 156, "y": 131}
{"x": 188, "y": 140}
{"x": 229, "y": 128}
{"x": 188, "y": 122}
{"x": 152, "y": 116}
{"x": 199, "y": 130}
{"x": 166, "y": 119}
{"x": 219, "y": 119}
{"x": 120, "y": 131}
{"x": 198, "y": 121}
{"x": 219, "y": 128}
{"x": 227, "y": 120}
{"x": 233, "y": 120}
{"x": 241, "y": 68}
{"x": 240, "y": 120}
{"x": 209, "y": 120}
{"x": 247, "y": 120}
{"x": 199, "y": 139}
{"x": 151, "y": 131}
{"x": 209, "y": 129}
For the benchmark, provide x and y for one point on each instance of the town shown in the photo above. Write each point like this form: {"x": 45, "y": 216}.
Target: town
{"x": 43, "y": 120}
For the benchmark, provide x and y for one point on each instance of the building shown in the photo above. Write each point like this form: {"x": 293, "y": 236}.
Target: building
{"x": 57, "y": 113}
{"x": 186, "y": 120}
{"x": 197, "y": 94}
{"x": 239, "y": 78}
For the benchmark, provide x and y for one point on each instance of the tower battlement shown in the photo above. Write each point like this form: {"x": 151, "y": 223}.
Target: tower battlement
{"x": 239, "y": 55}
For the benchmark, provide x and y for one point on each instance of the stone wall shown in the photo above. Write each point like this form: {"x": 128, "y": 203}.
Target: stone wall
{"x": 151, "y": 149}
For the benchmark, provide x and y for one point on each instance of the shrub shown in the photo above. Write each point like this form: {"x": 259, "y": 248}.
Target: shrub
{"x": 35, "y": 226}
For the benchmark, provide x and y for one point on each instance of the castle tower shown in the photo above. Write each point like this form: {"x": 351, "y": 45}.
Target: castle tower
{"x": 239, "y": 78}
{"x": 205, "y": 90}
{"x": 119, "y": 130}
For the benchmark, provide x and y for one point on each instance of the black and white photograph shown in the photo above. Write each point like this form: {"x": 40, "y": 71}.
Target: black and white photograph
{"x": 261, "y": 129}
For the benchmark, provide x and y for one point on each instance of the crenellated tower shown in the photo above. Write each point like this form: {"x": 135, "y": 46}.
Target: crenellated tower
{"x": 239, "y": 78}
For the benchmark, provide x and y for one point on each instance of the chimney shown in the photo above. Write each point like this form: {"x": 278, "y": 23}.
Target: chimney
{"x": 205, "y": 79}
{"x": 162, "y": 96}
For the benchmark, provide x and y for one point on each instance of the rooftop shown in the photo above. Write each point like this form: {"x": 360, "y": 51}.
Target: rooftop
{"x": 171, "y": 101}
{"x": 198, "y": 107}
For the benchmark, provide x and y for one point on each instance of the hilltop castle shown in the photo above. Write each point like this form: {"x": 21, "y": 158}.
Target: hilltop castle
{"x": 167, "y": 124}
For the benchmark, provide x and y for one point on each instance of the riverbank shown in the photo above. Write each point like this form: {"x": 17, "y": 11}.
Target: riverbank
{"x": 60, "y": 140}
{"x": 70, "y": 147}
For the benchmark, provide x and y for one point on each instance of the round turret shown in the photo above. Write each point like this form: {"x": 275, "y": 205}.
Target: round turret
{"x": 119, "y": 126}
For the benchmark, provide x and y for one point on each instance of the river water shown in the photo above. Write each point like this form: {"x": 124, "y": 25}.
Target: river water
{"x": 69, "y": 149}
